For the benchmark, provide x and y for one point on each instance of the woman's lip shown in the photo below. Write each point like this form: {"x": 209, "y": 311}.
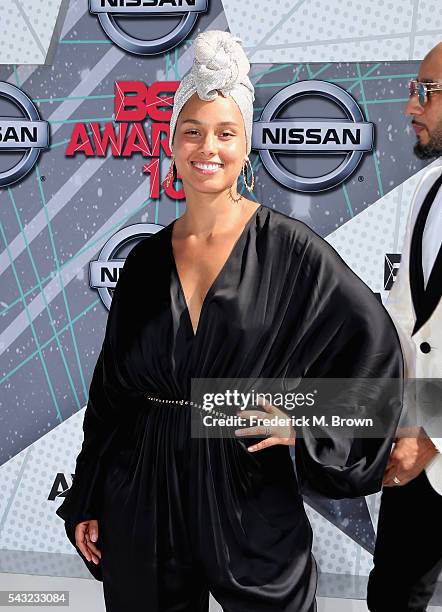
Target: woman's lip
{"x": 203, "y": 171}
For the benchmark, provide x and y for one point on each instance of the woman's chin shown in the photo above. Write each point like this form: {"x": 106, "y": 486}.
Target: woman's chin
{"x": 206, "y": 185}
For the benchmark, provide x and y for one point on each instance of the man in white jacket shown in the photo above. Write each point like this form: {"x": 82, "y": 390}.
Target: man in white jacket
{"x": 408, "y": 553}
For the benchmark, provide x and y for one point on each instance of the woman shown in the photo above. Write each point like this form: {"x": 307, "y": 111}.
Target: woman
{"x": 235, "y": 290}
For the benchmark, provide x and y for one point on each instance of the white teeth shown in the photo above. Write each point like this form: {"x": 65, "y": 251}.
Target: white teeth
{"x": 207, "y": 166}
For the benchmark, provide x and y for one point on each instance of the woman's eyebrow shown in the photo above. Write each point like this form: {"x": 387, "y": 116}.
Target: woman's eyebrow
{"x": 202, "y": 122}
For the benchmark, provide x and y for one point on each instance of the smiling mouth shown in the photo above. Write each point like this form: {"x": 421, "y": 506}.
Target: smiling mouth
{"x": 207, "y": 168}
{"x": 209, "y": 165}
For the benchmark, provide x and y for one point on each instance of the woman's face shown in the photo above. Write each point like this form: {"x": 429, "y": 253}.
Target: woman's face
{"x": 209, "y": 132}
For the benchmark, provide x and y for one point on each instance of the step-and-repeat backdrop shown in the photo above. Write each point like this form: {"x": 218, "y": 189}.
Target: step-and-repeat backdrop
{"x": 86, "y": 92}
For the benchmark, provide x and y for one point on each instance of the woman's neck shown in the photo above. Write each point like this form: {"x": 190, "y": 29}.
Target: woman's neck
{"x": 208, "y": 213}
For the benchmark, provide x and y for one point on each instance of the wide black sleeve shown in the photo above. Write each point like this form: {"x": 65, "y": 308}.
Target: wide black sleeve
{"x": 109, "y": 394}
{"x": 349, "y": 337}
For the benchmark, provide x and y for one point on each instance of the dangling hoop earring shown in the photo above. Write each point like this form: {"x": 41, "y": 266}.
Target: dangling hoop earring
{"x": 249, "y": 187}
{"x": 232, "y": 197}
{"x": 171, "y": 174}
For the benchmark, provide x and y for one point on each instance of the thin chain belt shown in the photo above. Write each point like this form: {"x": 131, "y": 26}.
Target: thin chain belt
{"x": 183, "y": 402}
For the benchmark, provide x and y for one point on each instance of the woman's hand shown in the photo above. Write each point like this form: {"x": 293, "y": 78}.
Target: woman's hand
{"x": 86, "y": 533}
{"x": 281, "y": 434}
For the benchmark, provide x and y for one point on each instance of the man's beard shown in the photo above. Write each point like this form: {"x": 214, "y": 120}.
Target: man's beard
{"x": 433, "y": 148}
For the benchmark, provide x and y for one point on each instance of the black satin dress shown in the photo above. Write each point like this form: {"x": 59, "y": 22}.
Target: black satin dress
{"x": 180, "y": 516}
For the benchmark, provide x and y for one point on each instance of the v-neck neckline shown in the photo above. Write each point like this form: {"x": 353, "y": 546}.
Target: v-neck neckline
{"x": 215, "y": 280}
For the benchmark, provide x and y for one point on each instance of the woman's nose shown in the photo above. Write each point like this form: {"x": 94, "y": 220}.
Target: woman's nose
{"x": 208, "y": 145}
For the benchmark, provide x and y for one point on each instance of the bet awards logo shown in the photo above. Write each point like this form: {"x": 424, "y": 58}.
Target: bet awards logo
{"x": 146, "y": 13}
{"x": 299, "y": 151}
{"x": 26, "y": 135}
{"x": 104, "y": 272}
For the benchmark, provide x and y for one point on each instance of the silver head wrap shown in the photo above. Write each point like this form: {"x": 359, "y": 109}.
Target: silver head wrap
{"x": 220, "y": 63}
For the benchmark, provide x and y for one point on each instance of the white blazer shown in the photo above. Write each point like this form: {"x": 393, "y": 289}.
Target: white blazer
{"x": 419, "y": 364}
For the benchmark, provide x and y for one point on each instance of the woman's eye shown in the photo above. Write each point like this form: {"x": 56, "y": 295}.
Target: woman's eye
{"x": 196, "y": 132}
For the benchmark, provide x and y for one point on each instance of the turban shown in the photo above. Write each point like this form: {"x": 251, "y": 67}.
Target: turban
{"x": 220, "y": 63}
